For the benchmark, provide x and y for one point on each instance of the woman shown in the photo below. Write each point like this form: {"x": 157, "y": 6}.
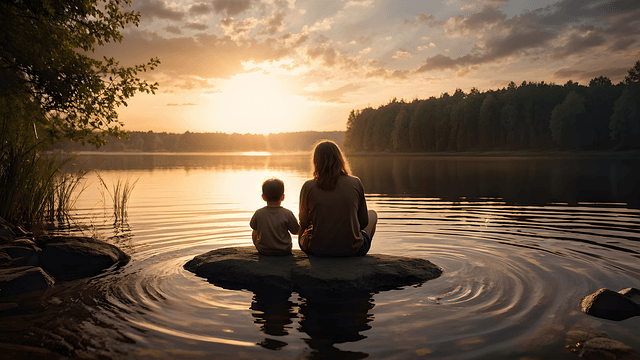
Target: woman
{"x": 334, "y": 220}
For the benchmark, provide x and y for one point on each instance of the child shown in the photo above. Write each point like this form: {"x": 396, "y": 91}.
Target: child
{"x": 271, "y": 224}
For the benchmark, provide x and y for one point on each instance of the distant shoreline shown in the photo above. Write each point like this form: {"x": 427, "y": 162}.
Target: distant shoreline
{"x": 631, "y": 154}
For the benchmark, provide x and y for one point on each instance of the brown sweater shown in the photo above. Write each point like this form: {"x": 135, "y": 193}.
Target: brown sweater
{"x": 333, "y": 219}
{"x": 273, "y": 225}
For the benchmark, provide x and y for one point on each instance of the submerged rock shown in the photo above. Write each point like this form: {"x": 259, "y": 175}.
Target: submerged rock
{"x": 18, "y": 252}
{"x": 28, "y": 263}
{"x": 69, "y": 258}
{"x": 605, "y": 348}
{"x": 23, "y": 279}
{"x": 245, "y": 268}
{"x": 608, "y": 304}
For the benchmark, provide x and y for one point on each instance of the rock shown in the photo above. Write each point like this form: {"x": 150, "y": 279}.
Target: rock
{"x": 631, "y": 293}
{"x": 19, "y": 280}
{"x": 21, "y": 252}
{"x": 5, "y": 232}
{"x": 245, "y": 268}
{"x": 605, "y": 348}
{"x": 69, "y": 258}
{"x": 609, "y": 304}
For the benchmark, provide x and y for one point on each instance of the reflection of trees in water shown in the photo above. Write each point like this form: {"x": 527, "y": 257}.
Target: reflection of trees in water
{"x": 328, "y": 318}
{"x": 287, "y": 162}
{"x": 523, "y": 180}
{"x": 515, "y": 180}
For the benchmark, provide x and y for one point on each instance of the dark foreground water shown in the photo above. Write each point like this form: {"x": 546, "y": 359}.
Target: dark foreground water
{"x": 521, "y": 241}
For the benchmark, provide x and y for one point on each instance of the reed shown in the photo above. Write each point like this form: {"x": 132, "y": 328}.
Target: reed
{"x": 120, "y": 194}
{"x": 27, "y": 186}
{"x": 66, "y": 192}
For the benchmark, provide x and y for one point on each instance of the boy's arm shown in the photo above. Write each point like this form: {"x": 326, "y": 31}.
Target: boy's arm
{"x": 294, "y": 227}
{"x": 254, "y": 236}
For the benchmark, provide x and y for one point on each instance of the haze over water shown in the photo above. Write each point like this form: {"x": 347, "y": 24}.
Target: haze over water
{"x": 521, "y": 240}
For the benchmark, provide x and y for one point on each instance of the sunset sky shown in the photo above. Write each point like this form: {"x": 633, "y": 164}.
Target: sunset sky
{"x": 262, "y": 66}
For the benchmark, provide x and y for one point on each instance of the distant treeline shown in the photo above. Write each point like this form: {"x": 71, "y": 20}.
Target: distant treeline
{"x": 209, "y": 142}
{"x": 542, "y": 116}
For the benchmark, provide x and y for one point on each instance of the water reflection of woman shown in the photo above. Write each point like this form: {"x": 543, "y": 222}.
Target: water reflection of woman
{"x": 334, "y": 220}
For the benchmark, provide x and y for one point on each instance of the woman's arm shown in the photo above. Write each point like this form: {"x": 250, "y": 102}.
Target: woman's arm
{"x": 304, "y": 210}
{"x": 363, "y": 213}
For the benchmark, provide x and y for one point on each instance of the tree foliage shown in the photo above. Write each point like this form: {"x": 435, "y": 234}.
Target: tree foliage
{"x": 526, "y": 116}
{"x": 52, "y": 89}
{"x": 45, "y": 51}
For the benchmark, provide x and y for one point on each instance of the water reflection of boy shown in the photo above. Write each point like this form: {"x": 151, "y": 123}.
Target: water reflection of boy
{"x": 273, "y": 310}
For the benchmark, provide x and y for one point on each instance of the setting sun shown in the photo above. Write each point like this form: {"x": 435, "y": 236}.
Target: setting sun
{"x": 255, "y": 103}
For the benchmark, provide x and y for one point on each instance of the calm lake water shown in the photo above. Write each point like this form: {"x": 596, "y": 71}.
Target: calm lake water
{"x": 521, "y": 241}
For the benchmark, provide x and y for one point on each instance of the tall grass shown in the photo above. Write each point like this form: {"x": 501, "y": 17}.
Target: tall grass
{"x": 120, "y": 195}
{"x": 33, "y": 189}
{"x": 66, "y": 192}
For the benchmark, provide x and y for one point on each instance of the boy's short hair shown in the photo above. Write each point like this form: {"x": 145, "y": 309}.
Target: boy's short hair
{"x": 272, "y": 189}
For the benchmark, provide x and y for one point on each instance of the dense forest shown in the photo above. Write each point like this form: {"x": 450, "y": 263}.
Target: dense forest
{"x": 600, "y": 116}
{"x": 208, "y": 142}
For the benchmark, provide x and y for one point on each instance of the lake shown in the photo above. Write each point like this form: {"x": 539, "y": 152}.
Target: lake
{"x": 521, "y": 241}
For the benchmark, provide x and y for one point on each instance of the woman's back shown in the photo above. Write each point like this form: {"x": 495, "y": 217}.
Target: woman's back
{"x": 336, "y": 216}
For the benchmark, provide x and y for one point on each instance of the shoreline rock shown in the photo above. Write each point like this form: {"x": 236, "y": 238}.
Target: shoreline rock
{"x": 611, "y": 305}
{"x": 28, "y": 263}
{"x": 244, "y": 268}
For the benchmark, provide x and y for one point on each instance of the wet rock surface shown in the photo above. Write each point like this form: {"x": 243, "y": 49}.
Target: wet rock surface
{"x": 69, "y": 258}
{"x": 19, "y": 280}
{"x": 608, "y": 304}
{"x": 28, "y": 263}
{"x": 245, "y": 268}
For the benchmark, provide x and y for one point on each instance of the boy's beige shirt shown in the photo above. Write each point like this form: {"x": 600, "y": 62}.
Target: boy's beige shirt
{"x": 273, "y": 225}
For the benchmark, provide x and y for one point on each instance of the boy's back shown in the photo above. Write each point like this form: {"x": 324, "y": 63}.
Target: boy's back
{"x": 272, "y": 225}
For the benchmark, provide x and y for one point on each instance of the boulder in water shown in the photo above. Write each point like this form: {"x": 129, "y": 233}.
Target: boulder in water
{"x": 23, "y": 279}
{"x": 245, "y": 268}
{"x": 608, "y": 304}
{"x": 69, "y": 258}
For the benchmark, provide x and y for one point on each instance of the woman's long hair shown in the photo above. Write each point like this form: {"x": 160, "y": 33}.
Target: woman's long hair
{"x": 328, "y": 164}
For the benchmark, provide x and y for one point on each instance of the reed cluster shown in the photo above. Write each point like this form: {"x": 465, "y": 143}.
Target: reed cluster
{"x": 120, "y": 194}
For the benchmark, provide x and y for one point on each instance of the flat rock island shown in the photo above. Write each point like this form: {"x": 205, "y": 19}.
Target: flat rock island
{"x": 244, "y": 268}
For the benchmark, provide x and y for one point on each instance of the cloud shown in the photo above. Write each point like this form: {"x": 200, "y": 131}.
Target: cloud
{"x": 552, "y": 32}
{"x": 383, "y": 73}
{"x": 335, "y": 95}
{"x": 196, "y": 26}
{"x": 402, "y": 54}
{"x": 173, "y": 29}
{"x": 201, "y": 9}
{"x": 577, "y": 11}
{"x": 158, "y": 9}
{"x": 238, "y": 29}
{"x": 330, "y": 57}
{"x": 192, "y": 83}
{"x": 424, "y": 47}
{"x": 477, "y": 24}
{"x": 365, "y": 3}
{"x": 420, "y": 19}
{"x": 323, "y": 25}
{"x": 203, "y": 56}
{"x": 585, "y": 76}
{"x": 577, "y": 43}
{"x": 274, "y": 23}
{"x": 231, "y": 7}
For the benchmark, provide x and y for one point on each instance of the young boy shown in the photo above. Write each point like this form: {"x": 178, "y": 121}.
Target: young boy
{"x": 271, "y": 224}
